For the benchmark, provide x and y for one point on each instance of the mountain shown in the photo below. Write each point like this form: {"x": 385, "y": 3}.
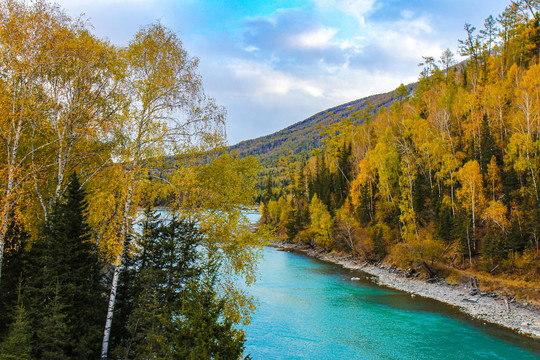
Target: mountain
{"x": 304, "y": 136}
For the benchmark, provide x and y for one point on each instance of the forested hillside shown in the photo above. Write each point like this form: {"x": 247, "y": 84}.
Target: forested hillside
{"x": 445, "y": 181}
{"x": 84, "y": 273}
{"x": 300, "y": 138}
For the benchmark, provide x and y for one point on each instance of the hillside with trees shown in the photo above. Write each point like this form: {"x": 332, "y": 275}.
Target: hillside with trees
{"x": 299, "y": 139}
{"x": 84, "y": 124}
{"x": 445, "y": 181}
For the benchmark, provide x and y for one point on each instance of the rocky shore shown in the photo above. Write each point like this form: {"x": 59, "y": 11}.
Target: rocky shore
{"x": 489, "y": 307}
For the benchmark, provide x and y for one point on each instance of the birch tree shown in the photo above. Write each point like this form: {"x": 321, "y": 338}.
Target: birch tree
{"x": 471, "y": 196}
{"x": 167, "y": 114}
{"x": 82, "y": 88}
{"x": 24, "y": 34}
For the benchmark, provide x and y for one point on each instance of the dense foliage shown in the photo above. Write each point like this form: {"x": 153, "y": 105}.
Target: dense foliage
{"x": 447, "y": 178}
{"x": 71, "y": 103}
{"x": 170, "y": 304}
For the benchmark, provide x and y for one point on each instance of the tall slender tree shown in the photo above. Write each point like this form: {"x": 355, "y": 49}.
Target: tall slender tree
{"x": 64, "y": 274}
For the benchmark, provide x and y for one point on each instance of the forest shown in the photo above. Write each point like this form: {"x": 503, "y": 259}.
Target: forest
{"x": 90, "y": 267}
{"x": 445, "y": 181}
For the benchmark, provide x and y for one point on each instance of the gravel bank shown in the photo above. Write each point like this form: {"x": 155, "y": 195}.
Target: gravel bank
{"x": 489, "y": 307}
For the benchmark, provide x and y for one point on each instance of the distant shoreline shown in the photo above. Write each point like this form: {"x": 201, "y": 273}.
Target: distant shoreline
{"x": 523, "y": 318}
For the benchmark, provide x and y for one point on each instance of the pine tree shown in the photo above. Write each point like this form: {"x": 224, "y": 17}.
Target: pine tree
{"x": 173, "y": 313}
{"x": 13, "y": 266}
{"x": 343, "y": 174}
{"x": 83, "y": 288}
{"x": 445, "y": 225}
{"x": 364, "y": 208}
{"x": 420, "y": 194}
{"x": 268, "y": 194}
{"x": 200, "y": 328}
{"x": 487, "y": 146}
{"x": 53, "y": 336}
{"x": 379, "y": 245}
{"x": 17, "y": 344}
{"x": 64, "y": 260}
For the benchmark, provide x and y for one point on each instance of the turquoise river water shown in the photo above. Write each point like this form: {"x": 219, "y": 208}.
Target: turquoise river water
{"x": 309, "y": 309}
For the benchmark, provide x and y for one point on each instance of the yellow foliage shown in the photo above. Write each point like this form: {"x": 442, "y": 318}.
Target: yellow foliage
{"x": 365, "y": 176}
{"x": 417, "y": 250}
{"x": 321, "y": 223}
{"x": 495, "y": 213}
{"x": 470, "y": 193}
{"x": 494, "y": 179}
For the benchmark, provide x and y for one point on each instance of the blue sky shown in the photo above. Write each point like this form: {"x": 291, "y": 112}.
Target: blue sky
{"x": 274, "y": 63}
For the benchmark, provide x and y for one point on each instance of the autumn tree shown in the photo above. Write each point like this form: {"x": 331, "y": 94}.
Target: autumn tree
{"x": 167, "y": 113}
{"x": 472, "y": 197}
{"x": 24, "y": 34}
{"x": 58, "y": 95}
{"x": 471, "y": 46}
{"x": 321, "y": 223}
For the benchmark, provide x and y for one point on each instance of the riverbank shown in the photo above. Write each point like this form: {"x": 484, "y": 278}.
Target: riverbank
{"x": 489, "y": 307}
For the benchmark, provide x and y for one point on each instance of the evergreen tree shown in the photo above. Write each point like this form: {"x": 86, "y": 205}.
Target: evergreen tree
{"x": 379, "y": 245}
{"x": 13, "y": 266}
{"x": 201, "y": 330}
{"x": 364, "y": 209}
{"x": 268, "y": 194}
{"x": 17, "y": 344}
{"x": 171, "y": 311}
{"x": 445, "y": 225}
{"x": 493, "y": 245}
{"x": 83, "y": 289}
{"x": 420, "y": 193}
{"x": 487, "y": 147}
{"x": 511, "y": 187}
{"x": 53, "y": 336}
{"x": 343, "y": 174}
{"x": 292, "y": 223}
{"x": 64, "y": 260}
{"x": 323, "y": 182}
{"x": 516, "y": 240}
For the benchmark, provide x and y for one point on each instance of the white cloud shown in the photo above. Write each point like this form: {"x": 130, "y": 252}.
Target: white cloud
{"x": 251, "y": 49}
{"x": 408, "y": 47}
{"x": 317, "y": 39}
{"x": 261, "y": 81}
{"x": 407, "y": 38}
{"x": 417, "y": 26}
{"x": 357, "y": 8}
{"x": 272, "y": 99}
{"x": 407, "y": 14}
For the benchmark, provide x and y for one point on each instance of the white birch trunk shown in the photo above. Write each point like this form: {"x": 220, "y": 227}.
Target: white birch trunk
{"x": 116, "y": 275}
{"x": 110, "y": 308}
{"x": 473, "y": 220}
{"x": 6, "y": 208}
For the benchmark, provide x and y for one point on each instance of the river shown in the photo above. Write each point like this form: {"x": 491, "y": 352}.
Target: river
{"x": 309, "y": 309}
